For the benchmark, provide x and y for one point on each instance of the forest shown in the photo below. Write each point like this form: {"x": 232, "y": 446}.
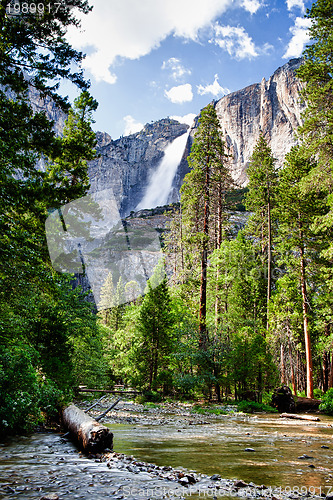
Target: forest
{"x": 227, "y": 314}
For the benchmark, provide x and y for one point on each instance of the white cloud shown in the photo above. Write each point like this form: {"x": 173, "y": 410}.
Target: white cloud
{"x": 251, "y": 5}
{"x": 178, "y": 71}
{"x": 180, "y": 94}
{"x": 214, "y": 88}
{"x": 188, "y": 119}
{"x": 131, "y": 29}
{"x": 299, "y": 4}
{"x": 299, "y": 39}
{"x": 235, "y": 41}
{"x": 131, "y": 125}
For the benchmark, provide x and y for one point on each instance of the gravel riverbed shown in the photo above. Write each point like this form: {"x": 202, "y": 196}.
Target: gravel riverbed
{"x": 49, "y": 467}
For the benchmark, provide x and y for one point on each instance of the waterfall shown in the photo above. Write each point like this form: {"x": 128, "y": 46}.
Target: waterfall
{"x": 160, "y": 183}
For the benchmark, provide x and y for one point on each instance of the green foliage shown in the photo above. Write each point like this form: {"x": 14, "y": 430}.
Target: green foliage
{"x": 208, "y": 410}
{"x": 48, "y": 334}
{"x": 154, "y": 326}
{"x": 25, "y": 395}
{"x": 253, "y": 407}
{"x": 327, "y": 402}
{"x": 316, "y": 73}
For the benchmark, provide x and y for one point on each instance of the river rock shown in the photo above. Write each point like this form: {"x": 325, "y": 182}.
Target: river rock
{"x": 215, "y": 477}
{"x": 249, "y": 449}
{"x": 50, "y": 496}
{"x": 240, "y": 484}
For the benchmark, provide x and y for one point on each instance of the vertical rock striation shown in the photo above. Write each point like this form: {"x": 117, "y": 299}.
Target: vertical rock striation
{"x": 273, "y": 107}
{"x": 127, "y": 164}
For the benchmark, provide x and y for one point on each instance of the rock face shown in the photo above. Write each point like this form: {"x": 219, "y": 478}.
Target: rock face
{"x": 125, "y": 165}
{"x": 272, "y": 106}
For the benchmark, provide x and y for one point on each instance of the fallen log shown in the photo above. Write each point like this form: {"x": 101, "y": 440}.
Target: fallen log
{"x": 300, "y": 417}
{"x": 307, "y": 404}
{"x": 89, "y": 434}
{"x": 107, "y": 411}
{"x": 95, "y": 404}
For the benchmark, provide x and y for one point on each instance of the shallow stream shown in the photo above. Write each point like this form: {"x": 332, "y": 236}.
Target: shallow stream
{"x": 220, "y": 448}
{"x": 32, "y": 466}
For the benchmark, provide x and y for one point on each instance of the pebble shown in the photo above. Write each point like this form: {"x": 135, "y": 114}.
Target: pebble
{"x": 249, "y": 449}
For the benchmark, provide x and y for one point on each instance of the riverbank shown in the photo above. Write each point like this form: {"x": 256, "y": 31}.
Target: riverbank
{"x": 46, "y": 464}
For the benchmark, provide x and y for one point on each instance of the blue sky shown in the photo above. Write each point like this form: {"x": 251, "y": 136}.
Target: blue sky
{"x": 149, "y": 59}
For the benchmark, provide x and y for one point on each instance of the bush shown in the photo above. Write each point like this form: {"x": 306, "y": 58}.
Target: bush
{"x": 251, "y": 407}
{"x": 26, "y": 397}
{"x": 327, "y": 402}
{"x": 150, "y": 396}
{"x": 204, "y": 410}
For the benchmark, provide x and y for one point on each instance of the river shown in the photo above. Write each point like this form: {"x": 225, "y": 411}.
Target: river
{"x": 263, "y": 449}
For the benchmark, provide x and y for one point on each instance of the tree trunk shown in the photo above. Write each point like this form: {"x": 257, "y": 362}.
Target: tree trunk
{"x": 282, "y": 365}
{"x": 293, "y": 378}
{"x": 330, "y": 379}
{"x": 204, "y": 261}
{"x": 300, "y": 417}
{"x": 308, "y": 353}
{"x": 90, "y": 435}
{"x": 269, "y": 258}
{"x": 325, "y": 370}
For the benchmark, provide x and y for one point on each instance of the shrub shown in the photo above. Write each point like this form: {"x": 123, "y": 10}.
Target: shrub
{"x": 26, "y": 396}
{"x": 204, "y": 411}
{"x": 327, "y": 402}
{"x": 251, "y": 407}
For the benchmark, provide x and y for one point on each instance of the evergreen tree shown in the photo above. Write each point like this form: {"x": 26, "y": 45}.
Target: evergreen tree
{"x": 316, "y": 72}
{"x": 154, "y": 325}
{"x": 69, "y": 170}
{"x": 202, "y": 198}
{"x": 260, "y": 199}
{"x": 297, "y": 245}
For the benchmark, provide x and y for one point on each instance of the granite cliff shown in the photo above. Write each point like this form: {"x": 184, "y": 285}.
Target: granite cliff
{"x": 127, "y": 164}
{"x": 273, "y": 107}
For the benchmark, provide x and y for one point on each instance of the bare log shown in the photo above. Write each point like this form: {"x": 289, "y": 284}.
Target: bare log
{"x": 107, "y": 411}
{"x": 300, "y": 417}
{"x": 90, "y": 435}
{"x": 95, "y": 404}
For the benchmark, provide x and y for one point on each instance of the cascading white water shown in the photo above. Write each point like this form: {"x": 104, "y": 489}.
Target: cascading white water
{"x": 161, "y": 181}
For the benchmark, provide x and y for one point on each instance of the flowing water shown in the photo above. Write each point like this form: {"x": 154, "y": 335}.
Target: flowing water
{"x": 219, "y": 448}
{"x": 160, "y": 184}
{"x": 32, "y": 466}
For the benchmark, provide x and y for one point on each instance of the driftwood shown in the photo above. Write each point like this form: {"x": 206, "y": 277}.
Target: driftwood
{"x": 300, "y": 417}
{"x": 107, "y": 411}
{"x": 90, "y": 435}
{"x": 107, "y": 391}
{"x": 95, "y": 404}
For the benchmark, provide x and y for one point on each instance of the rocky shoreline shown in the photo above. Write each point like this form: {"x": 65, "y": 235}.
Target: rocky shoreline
{"x": 167, "y": 482}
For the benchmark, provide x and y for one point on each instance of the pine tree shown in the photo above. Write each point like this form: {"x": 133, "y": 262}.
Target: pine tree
{"x": 260, "y": 199}
{"x": 69, "y": 169}
{"x": 202, "y": 199}
{"x": 297, "y": 245}
{"x": 155, "y": 324}
{"x": 316, "y": 72}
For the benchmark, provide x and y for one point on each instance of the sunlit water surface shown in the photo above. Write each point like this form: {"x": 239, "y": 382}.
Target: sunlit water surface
{"x": 219, "y": 448}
